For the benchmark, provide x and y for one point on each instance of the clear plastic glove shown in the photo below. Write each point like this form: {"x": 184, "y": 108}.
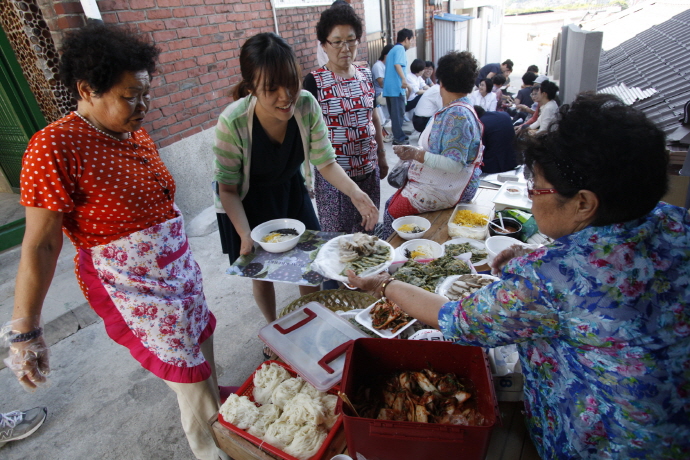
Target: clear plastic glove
{"x": 503, "y": 257}
{"x": 28, "y": 359}
{"x": 409, "y": 152}
{"x": 371, "y": 284}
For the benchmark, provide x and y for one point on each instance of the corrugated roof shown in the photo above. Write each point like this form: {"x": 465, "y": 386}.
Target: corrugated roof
{"x": 656, "y": 59}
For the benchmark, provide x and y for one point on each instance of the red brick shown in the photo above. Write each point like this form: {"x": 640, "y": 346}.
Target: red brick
{"x": 172, "y": 109}
{"x": 170, "y": 140}
{"x": 191, "y": 53}
{"x": 110, "y": 18}
{"x": 71, "y": 22}
{"x": 227, "y": 27}
{"x": 224, "y": 9}
{"x": 236, "y": 17}
{"x": 151, "y": 26}
{"x": 176, "y": 76}
{"x": 167, "y": 3}
{"x": 197, "y": 22}
{"x": 201, "y": 89}
{"x": 159, "y": 14}
{"x": 164, "y": 36}
{"x": 182, "y": 95}
{"x": 68, "y": 8}
{"x": 240, "y": 7}
{"x": 210, "y": 123}
{"x": 142, "y": 4}
{"x": 179, "y": 126}
{"x": 214, "y": 2}
{"x": 184, "y": 12}
{"x": 173, "y": 24}
{"x": 203, "y": 79}
{"x": 159, "y": 102}
{"x": 201, "y": 41}
{"x": 131, "y": 16}
{"x": 185, "y": 64}
{"x": 180, "y": 44}
{"x": 188, "y": 32}
{"x": 205, "y": 60}
{"x": 214, "y": 48}
{"x": 166, "y": 68}
{"x": 169, "y": 57}
{"x": 204, "y": 10}
{"x": 199, "y": 120}
{"x": 193, "y": 102}
{"x": 217, "y": 18}
{"x": 113, "y": 5}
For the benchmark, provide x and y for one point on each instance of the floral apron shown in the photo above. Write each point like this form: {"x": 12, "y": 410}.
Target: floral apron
{"x": 430, "y": 189}
{"x": 148, "y": 289}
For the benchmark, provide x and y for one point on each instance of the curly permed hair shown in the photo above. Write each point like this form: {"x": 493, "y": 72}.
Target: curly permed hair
{"x": 602, "y": 145}
{"x": 99, "y": 54}
{"x": 338, "y": 15}
{"x": 457, "y": 71}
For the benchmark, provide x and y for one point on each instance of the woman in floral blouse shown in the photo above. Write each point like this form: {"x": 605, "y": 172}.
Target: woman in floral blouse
{"x": 601, "y": 315}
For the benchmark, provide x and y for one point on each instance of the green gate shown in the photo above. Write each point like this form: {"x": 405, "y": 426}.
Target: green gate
{"x": 20, "y": 116}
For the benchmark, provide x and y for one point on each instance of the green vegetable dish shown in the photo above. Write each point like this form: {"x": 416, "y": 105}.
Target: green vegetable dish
{"x": 427, "y": 276}
{"x": 381, "y": 256}
{"x": 462, "y": 248}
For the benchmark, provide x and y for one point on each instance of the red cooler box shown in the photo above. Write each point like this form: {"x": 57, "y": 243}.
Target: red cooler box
{"x": 371, "y": 359}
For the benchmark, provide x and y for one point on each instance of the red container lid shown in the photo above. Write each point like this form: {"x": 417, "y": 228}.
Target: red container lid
{"x": 313, "y": 341}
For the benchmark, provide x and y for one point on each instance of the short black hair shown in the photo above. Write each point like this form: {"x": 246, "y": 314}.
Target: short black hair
{"x": 528, "y": 78}
{"x": 480, "y": 111}
{"x": 338, "y": 15}
{"x": 267, "y": 59}
{"x": 602, "y": 145}
{"x": 498, "y": 79}
{"x": 550, "y": 88}
{"x": 417, "y": 66}
{"x": 457, "y": 71}
{"x": 384, "y": 52}
{"x": 488, "y": 83}
{"x": 100, "y": 53}
{"x": 429, "y": 64}
{"x": 533, "y": 68}
{"x": 404, "y": 34}
{"x": 508, "y": 63}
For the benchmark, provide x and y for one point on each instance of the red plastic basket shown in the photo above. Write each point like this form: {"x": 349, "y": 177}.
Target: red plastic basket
{"x": 247, "y": 389}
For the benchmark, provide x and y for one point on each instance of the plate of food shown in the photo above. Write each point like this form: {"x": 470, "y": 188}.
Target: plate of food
{"x": 419, "y": 249}
{"x": 364, "y": 254}
{"x": 460, "y": 286}
{"x": 385, "y": 318}
{"x": 458, "y": 246}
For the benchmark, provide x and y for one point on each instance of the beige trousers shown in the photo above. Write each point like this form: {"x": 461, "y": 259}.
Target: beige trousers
{"x": 198, "y": 403}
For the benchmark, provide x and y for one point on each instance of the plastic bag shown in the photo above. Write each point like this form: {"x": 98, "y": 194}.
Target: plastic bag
{"x": 397, "y": 177}
{"x": 29, "y": 359}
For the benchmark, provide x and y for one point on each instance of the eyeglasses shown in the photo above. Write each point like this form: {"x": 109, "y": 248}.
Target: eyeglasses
{"x": 339, "y": 44}
{"x": 531, "y": 191}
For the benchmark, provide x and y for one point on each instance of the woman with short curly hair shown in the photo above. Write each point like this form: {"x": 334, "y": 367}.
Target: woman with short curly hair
{"x": 96, "y": 175}
{"x": 346, "y": 94}
{"x": 444, "y": 169}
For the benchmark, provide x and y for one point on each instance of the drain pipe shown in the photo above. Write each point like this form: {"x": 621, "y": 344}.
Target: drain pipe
{"x": 91, "y": 10}
{"x": 275, "y": 17}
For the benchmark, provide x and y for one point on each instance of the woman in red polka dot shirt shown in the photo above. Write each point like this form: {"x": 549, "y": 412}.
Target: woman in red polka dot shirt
{"x": 96, "y": 175}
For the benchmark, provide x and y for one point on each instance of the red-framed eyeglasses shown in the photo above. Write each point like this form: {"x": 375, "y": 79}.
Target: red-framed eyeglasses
{"x": 538, "y": 191}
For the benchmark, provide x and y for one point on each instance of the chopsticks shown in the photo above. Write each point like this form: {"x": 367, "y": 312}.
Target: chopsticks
{"x": 501, "y": 227}
{"x": 346, "y": 400}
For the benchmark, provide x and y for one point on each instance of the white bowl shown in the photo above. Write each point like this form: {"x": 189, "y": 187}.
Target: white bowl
{"x": 412, "y": 220}
{"x": 436, "y": 249}
{"x": 496, "y": 244}
{"x": 264, "y": 229}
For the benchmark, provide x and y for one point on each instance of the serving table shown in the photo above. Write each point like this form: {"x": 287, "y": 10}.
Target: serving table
{"x": 509, "y": 441}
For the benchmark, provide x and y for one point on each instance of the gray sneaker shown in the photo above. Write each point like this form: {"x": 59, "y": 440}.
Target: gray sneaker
{"x": 18, "y": 425}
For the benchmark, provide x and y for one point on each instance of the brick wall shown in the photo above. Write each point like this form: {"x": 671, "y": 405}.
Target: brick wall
{"x": 200, "y": 42}
{"x": 402, "y": 16}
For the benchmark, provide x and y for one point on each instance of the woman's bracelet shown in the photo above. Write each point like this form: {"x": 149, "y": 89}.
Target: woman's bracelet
{"x": 26, "y": 336}
{"x": 384, "y": 285}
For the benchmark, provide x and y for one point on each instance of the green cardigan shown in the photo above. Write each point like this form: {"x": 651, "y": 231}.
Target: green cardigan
{"x": 234, "y": 141}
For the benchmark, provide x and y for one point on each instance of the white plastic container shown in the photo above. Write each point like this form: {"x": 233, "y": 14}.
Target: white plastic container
{"x": 496, "y": 244}
{"x": 436, "y": 249}
{"x": 477, "y": 233}
{"x": 260, "y": 231}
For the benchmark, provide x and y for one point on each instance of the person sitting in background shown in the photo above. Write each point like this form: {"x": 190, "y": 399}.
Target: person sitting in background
{"x": 502, "y": 100}
{"x": 498, "y": 136}
{"x": 490, "y": 70}
{"x": 428, "y": 73}
{"x": 600, "y": 316}
{"x": 523, "y": 99}
{"x": 445, "y": 168}
{"x": 415, "y": 84}
{"x": 483, "y": 96}
{"x": 548, "y": 107}
{"x": 430, "y": 103}
{"x": 535, "y": 115}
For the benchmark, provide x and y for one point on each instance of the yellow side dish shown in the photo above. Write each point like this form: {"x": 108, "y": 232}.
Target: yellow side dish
{"x": 468, "y": 218}
{"x": 410, "y": 228}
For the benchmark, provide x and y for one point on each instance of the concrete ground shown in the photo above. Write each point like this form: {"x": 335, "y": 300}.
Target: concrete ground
{"x": 101, "y": 402}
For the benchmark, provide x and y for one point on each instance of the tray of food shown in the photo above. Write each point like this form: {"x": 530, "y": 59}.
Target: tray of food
{"x": 458, "y": 246}
{"x": 460, "y": 286}
{"x": 428, "y": 275}
{"x": 282, "y": 414}
{"x": 385, "y": 319}
{"x": 364, "y": 254}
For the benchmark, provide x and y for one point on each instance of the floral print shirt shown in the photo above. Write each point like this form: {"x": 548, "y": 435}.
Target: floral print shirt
{"x": 602, "y": 323}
